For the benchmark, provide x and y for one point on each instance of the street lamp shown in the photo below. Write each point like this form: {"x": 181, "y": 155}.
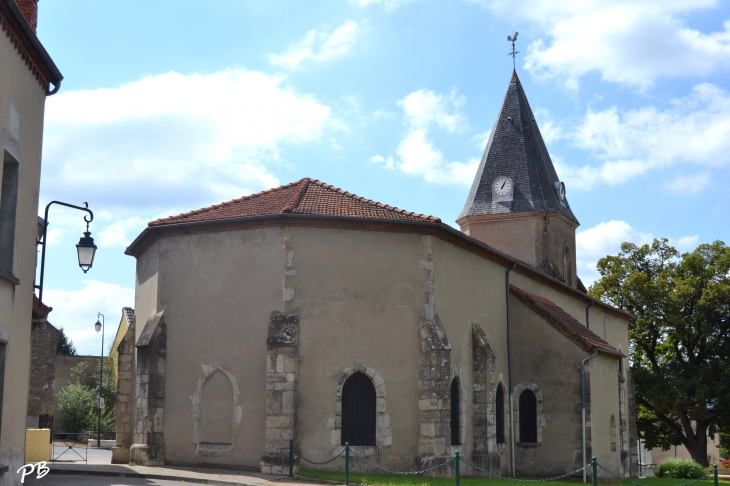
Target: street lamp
{"x": 99, "y": 326}
{"x": 85, "y": 249}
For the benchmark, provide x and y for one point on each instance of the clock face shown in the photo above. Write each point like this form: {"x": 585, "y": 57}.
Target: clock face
{"x": 502, "y": 186}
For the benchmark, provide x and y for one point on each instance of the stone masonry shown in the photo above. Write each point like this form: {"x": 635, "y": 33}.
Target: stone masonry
{"x": 125, "y": 397}
{"x": 44, "y": 338}
{"x": 485, "y": 454}
{"x": 435, "y": 390}
{"x": 149, "y": 446}
{"x": 282, "y": 364}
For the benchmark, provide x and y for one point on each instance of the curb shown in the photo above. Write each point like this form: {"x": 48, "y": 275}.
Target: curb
{"x": 167, "y": 477}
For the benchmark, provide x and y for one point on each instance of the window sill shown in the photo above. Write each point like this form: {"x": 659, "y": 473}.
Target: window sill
{"x": 528, "y": 445}
{"x": 9, "y": 277}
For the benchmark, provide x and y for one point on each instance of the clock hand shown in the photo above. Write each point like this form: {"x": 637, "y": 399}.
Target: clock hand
{"x": 503, "y": 183}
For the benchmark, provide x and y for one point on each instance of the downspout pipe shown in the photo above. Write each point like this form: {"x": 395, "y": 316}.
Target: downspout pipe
{"x": 588, "y": 321}
{"x": 509, "y": 373}
{"x": 583, "y": 402}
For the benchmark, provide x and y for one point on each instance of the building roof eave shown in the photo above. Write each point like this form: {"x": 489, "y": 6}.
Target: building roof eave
{"x": 439, "y": 230}
{"x": 39, "y": 53}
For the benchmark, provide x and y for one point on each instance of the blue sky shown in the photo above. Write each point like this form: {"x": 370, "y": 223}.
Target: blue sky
{"x": 170, "y": 106}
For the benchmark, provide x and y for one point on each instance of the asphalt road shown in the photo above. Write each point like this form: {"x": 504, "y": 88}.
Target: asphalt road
{"x": 69, "y": 480}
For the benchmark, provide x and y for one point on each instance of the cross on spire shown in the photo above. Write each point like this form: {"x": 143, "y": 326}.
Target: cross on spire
{"x": 514, "y": 53}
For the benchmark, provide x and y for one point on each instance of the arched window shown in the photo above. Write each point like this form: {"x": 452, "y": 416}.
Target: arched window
{"x": 455, "y": 439}
{"x": 500, "y": 414}
{"x": 567, "y": 266}
{"x": 528, "y": 417}
{"x": 613, "y": 433}
{"x": 358, "y": 411}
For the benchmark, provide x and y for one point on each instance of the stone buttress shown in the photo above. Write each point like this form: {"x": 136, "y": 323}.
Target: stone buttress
{"x": 149, "y": 446}
{"x": 125, "y": 398}
{"x": 281, "y": 391}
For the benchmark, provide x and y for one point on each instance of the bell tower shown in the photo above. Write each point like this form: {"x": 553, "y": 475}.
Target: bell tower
{"x": 517, "y": 204}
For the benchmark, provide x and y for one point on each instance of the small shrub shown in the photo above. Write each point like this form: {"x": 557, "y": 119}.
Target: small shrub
{"x": 680, "y": 469}
{"x": 725, "y": 463}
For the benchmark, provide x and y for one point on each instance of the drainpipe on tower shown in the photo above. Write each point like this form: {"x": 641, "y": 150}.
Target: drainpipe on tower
{"x": 583, "y": 403}
{"x": 588, "y": 322}
{"x": 509, "y": 372}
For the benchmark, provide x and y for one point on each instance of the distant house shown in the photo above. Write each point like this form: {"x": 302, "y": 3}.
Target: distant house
{"x": 27, "y": 76}
{"x": 125, "y": 322}
{"x": 44, "y": 342}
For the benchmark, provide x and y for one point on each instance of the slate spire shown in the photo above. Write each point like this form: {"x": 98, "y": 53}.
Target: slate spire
{"x": 517, "y": 151}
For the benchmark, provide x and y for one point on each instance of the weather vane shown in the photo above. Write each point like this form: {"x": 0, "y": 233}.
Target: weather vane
{"x": 512, "y": 39}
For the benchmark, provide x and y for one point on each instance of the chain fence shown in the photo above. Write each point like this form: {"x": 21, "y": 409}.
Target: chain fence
{"x": 518, "y": 480}
{"x": 456, "y": 460}
{"x": 624, "y": 479}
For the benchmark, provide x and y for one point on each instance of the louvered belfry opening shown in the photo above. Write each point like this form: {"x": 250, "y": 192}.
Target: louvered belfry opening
{"x": 528, "y": 417}
{"x": 358, "y": 411}
{"x": 455, "y": 439}
{"x": 500, "y": 414}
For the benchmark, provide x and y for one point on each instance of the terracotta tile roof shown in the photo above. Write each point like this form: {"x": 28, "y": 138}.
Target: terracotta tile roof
{"x": 564, "y": 322}
{"x": 307, "y": 196}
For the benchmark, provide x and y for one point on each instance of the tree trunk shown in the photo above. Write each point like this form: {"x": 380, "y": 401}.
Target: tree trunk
{"x": 696, "y": 441}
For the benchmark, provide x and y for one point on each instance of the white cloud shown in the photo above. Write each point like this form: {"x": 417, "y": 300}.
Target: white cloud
{"x": 121, "y": 232}
{"x": 387, "y": 5}
{"x": 419, "y": 157}
{"x": 605, "y": 238}
{"x": 318, "y": 46}
{"x": 424, "y": 108}
{"x": 632, "y": 42}
{"x": 694, "y": 130}
{"x": 416, "y": 152}
{"x": 76, "y": 311}
{"x": 482, "y": 139}
{"x": 386, "y": 163}
{"x": 689, "y": 183}
{"x": 687, "y": 243}
{"x": 174, "y": 140}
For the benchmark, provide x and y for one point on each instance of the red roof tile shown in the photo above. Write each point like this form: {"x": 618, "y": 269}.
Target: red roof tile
{"x": 563, "y": 322}
{"x": 307, "y": 196}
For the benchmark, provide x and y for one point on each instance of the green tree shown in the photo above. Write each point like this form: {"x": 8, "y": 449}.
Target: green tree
{"x": 76, "y": 402}
{"x": 680, "y": 338}
{"x": 65, "y": 345}
{"x": 725, "y": 445}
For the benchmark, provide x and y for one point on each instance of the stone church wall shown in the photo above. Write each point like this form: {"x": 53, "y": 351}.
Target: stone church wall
{"x": 604, "y": 404}
{"x": 548, "y": 363}
{"x": 217, "y": 291}
{"x": 360, "y": 296}
{"x": 364, "y": 301}
{"x": 469, "y": 291}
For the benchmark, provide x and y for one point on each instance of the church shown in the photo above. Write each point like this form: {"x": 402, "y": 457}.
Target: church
{"x": 307, "y": 313}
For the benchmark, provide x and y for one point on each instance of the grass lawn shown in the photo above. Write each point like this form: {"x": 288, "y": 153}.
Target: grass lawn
{"x": 393, "y": 480}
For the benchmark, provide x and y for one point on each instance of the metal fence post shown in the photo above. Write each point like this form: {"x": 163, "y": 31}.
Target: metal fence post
{"x": 457, "y": 468}
{"x": 347, "y": 463}
{"x": 714, "y": 471}
{"x": 291, "y": 458}
{"x": 594, "y": 471}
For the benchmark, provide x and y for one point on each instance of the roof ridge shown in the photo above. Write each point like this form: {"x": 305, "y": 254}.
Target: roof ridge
{"x": 375, "y": 203}
{"x": 294, "y": 201}
{"x": 223, "y": 204}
